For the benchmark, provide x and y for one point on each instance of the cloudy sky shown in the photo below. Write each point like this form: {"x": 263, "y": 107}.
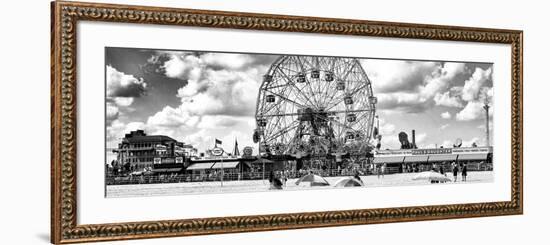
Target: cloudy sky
{"x": 196, "y": 97}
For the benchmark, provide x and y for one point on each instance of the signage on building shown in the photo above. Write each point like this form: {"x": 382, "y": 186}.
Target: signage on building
{"x": 168, "y": 160}
{"x": 472, "y": 150}
{"x": 157, "y": 160}
{"x": 393, "y": 152}
{"x": 435, "y": 151}
{"x": 179, "y": 159}
{"x": 217, "y": 151}
{"x": 432, "y": 151}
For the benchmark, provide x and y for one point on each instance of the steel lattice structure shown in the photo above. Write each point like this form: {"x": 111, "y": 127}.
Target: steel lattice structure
{"x": 314, "y": 105}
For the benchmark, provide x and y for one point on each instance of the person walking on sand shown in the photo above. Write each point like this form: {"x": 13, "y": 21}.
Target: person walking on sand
{"x": 455, "y": 171}
{"x": 442, "y": 172}
{"x": 464, "y": 172}
{"x": 275, "y": 182}
{"x": 356, "y": 176}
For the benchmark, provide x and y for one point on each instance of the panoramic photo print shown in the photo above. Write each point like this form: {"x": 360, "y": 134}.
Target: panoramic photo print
{"x": 199, "y": 122}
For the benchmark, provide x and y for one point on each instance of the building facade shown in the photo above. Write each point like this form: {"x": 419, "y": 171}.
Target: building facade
{"x": 138, "y": 150}
{"x": 406, "y": 160}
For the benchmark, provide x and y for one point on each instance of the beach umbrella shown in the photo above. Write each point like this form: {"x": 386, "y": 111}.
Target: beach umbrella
{"x": 348, "y": 182}
{"x": 314, "y": 179}
{"x": 431, "y": 175}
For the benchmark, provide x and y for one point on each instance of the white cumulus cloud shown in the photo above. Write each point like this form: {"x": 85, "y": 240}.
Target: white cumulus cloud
{"x": 443, "y": 78}
{"x": 445, "y": 99}
{"x": 414, "y": 86}
{"x": 421, "y": 137}
{"x": 397, "y": 75}
{"x": 472, "y": 111}
{"x": 123, "y": 85}
{"x": 473, "y": 85}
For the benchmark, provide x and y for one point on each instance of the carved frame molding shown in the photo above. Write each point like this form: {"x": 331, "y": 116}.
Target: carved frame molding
{"x": 65, "y": 16}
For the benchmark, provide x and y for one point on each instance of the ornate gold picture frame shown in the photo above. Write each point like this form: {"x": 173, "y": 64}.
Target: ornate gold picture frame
{"x": 64, "y": 107}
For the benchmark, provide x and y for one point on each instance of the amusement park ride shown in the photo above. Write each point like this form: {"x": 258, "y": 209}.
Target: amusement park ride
{"x": 315, "y": 108}
{"x": 316, "y": 112}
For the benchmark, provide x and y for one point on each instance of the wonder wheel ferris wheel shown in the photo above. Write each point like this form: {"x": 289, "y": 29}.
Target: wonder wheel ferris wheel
{"x": 314, "y": 105}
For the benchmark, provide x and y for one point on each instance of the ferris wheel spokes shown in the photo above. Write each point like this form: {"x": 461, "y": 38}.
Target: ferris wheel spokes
{"x": 299, "y": 91}
{"x": 322, "y": 102}
{"x": 308, "y": 81}
{"x": 330, "y": 113}
{"x": 282, "y": 131}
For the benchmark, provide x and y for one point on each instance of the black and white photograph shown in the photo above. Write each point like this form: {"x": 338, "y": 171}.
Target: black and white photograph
{"x": 200, "y": 122}
{"x": 275, "y": 122}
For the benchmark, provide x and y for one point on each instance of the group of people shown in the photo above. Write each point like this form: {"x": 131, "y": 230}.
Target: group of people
{"x": 456, "y": 168}
{"x": 278, "y": 179}
{"x": 463, "y": 169}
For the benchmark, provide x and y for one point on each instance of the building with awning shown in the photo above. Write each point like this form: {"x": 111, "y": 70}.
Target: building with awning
{"x": 138, "y": 150}
{"x": 200, "y": 166}
{"x": 232, "y": 167}
{"x": 442, "y": 158}
{"x": 220, "y": 165}
{"x": 229, "y": 165}
{"x": 473, "y": 156}
{"x": 166, "y": 170}
{"x": 390, "y": 159}
{"x": 416, "y": 159}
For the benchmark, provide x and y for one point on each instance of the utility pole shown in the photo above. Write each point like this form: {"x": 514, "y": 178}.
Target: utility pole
{"x": 486, "y": 107}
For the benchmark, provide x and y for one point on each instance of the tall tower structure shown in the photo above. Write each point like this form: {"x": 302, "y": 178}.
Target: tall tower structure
{"x": 486, "y": 107}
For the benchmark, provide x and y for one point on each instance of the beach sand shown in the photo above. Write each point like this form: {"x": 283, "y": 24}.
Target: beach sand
{"x": 173, "y": 189}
